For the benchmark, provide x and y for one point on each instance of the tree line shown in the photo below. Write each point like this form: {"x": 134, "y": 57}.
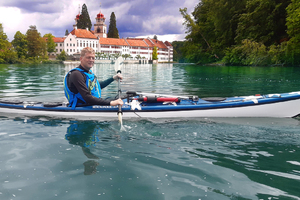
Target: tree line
{"x": 24, "y": 48}
{"x": 241, "y": 32}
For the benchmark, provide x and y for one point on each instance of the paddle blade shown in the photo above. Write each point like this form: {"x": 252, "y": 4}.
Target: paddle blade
{"x": 121, "y": 121}
{"x": 120, "y": 118}
{"x": 118, "y": 63}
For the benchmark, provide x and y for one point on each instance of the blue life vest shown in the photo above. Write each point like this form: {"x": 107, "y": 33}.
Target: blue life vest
{"x": 91, "y": 83}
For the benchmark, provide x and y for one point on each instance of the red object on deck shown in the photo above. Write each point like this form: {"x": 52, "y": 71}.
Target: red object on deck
{"x": 158, "y": 99}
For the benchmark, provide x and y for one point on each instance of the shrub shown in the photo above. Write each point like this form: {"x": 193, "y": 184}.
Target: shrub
{"x": 249, "y": 53}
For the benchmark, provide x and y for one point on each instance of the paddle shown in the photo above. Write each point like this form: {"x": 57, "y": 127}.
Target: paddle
{"x": 118, "y": 70}
{"x": 119, "y": 95}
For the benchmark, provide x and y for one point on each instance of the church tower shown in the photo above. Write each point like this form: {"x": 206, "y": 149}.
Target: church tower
{"x": 100, "y": 26}
{"x": 76, "y": 18}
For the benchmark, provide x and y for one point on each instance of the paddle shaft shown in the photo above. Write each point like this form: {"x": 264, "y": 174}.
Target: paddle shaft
{"x": 119, "y": 91}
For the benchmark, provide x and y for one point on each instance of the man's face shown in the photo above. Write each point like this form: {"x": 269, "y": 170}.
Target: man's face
{"x": 87, "y": 61}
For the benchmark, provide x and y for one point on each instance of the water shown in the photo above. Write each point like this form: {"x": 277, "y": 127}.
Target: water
{"x": 235, "y": 158}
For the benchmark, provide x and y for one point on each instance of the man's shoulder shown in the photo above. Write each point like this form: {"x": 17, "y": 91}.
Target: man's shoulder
{"x": 76, "y": 74}
{"x": 76, "y": 70}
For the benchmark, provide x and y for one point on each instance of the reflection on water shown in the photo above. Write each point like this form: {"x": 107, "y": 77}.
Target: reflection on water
{"x": 85, "y": 135}
{"x": 170, "y": 159}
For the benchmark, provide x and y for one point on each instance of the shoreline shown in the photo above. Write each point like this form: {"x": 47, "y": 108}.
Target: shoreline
{"x": 112, "y": 62}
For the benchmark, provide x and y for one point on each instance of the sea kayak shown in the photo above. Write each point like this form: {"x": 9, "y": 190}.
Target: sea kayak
{"x": 146, "y": 105}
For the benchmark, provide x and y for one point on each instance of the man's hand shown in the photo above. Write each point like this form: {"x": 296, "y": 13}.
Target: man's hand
{"x": 116, "y": 102}
{"x": 118, "y": 76}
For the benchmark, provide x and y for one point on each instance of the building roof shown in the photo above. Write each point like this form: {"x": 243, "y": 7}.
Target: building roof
{"x": 158, "y": 43}
{"x": 149, "y": 42}
{"x": 59, "y": 39}
{"x": 136, "y": 42}
{"x": 83, "y": 33}
{"x": 168, "y": 44}
{"x": 100, "y": 15}
{"x": 113, "y": 41}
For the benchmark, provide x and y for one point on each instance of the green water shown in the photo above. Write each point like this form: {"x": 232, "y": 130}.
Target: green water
{"x": 234, "y": 158}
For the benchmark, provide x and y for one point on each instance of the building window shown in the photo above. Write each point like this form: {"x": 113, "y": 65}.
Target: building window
{"x": 70, "y": 39}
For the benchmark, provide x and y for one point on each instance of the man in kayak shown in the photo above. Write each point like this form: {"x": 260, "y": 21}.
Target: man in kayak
{"x": 81, "y": 85}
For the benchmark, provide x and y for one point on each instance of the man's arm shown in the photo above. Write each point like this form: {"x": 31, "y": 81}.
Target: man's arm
{"x": 105, "y": 83}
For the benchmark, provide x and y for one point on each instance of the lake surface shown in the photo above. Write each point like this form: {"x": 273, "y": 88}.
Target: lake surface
{"x": 209, "y": 158}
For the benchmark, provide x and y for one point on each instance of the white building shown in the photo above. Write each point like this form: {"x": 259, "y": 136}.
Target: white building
{"x": 97, "y": 39}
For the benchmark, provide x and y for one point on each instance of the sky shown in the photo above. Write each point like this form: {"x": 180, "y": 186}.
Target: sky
{"x": 135, "y": 18}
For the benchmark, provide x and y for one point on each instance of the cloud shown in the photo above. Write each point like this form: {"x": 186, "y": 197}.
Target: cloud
{"x": 29, "y": 6}
{"x": 134, "y": 17}
{"x": 166, "y": 37}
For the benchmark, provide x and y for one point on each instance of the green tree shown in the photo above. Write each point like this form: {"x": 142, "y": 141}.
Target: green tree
{"x": 84, "y": 19}
{"x": 67, "y": 32}
{"x": 224, "y": 18}
{"x": 3, "y": 39}
{"x": 177, "y": 51}
{"x": 7, "y": 55}
{"x": 249, "y": 53}
{"x": 104, "y": 55}
{"x": 199, "y": 35}
{"x": 154, "y": 53}
{"x": 138, "y": 57}
{"x": 293, "y": 24}
{"x": 20, "y": 44}
{"x": 112, "y": 29}
{"x": 112, "y": 56}
{"x": 117, "y": 55}
{"x": 293, "y": 20}
{"x": 50, "y": 42}
{"x": 62, "y": 56}
{"x": 218, "y": 28}
{"x": 211, "y": 28}
{"x": 99, "y": 55}
{"x": 36, "y": 44}
{"x": 125, "y": 56}
{"x": 263, "y": 21}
